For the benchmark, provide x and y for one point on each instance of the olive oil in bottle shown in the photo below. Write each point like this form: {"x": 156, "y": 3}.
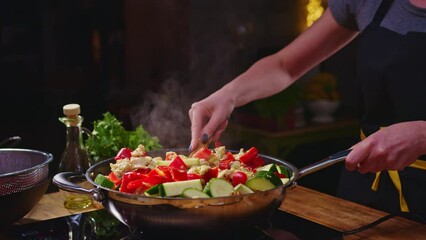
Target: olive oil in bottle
{"x": 75, "y": 157}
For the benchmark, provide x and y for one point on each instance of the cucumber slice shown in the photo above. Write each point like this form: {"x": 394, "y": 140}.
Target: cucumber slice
{"x": 219, "y": 187}
{"x": 191, "y": 161}
{"x": 243, "y": 189}
{"x": 285, "y": 180}
{"x": 263, "y": 180}
{"x": 268, "y": 167}
{"x": 153, "y": 191}
{"x": 104, "y": 181}
{"x": 176, "y": 188}
{"x": 194, "y": 193}
{"x": 283, "y": 170}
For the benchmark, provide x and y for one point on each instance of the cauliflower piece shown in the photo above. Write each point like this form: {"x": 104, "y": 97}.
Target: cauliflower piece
{"x": 140, "y": 162}
{"x": 201, "y": 170}
{"x": 220, "y": 152}
{"x": 238, "y": 155}
{"x": 139, "y": 151}
{"x": 226, "y": 174}
{"x": 120, "y": 167}
{"x": 204, "y": 162}
{"x": 154, "y": 162}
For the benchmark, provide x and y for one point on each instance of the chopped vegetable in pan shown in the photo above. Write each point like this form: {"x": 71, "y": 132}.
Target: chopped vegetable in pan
{"x": 208, "y": 173}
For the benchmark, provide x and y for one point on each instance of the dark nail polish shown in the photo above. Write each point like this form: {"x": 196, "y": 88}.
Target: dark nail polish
{"x": 204, "y": 138}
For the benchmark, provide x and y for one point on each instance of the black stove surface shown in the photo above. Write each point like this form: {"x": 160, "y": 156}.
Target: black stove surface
{"x": 101, "y": 225}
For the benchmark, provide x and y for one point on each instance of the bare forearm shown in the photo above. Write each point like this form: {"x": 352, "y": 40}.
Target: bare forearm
{"x": 276, "y": 72}
{"x": 261, "y": 80}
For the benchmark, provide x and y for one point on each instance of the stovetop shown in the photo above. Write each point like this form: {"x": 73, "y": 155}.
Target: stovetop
{"x": 100, "y": 224}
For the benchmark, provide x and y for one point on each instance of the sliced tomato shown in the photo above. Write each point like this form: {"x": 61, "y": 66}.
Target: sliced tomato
{"x": 178, "y": 163}
{"x": 249, "y": 155}
{"x": 239, "y": 177}
{"x": 124, "y": 153}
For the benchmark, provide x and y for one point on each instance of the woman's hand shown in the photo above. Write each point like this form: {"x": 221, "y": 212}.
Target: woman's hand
{"x": 268, "y": 76}
{"x": 209, "y": 117}
{"x": 391, "y": 148}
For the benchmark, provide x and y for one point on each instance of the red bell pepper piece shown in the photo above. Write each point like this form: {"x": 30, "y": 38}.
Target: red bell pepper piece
{"x": 178, "y": 175}
{"x": 280, "y": 175}
{"x": 203, "y": 152}
{"x": 192, "y": 176}
{"x": 137, "y": 184}
{"x": 225, "y": 164}
{"x": 154, "y": 180}
{"x": 124, "y": 153}
{"x": 211, "y": 173}
{"x": 256, "y": 162}
{"x": 163, "y": 172}
{"x": 128, "y": 177}
{"x": 249, "y": 155}
{"x": 170, "y": 155}
{"x": 178, "y": 163}
{"x": 229, "y": 156}
{"x": 143, "y": 170}
{"x": 111, "y": 176}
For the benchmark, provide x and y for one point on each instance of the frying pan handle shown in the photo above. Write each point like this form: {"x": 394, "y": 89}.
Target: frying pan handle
{"x": 62, "y": 181}
{"x": 332, "y": 159}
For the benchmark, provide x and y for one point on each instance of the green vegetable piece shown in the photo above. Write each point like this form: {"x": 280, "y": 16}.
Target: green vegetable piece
{"x": 243, "y": 189}
{"x": 153, "y": 191}
{"x": 268, "y": 167}
{"x": 283, "y": 170}
{"x": 109, "y": 136}
{"x": 176, "y": 188}
{"x": 103, "y": 181}
{"x": 263, "y": 180}
{"x": 194, "y": 193}
{"x": 218, "y": 187}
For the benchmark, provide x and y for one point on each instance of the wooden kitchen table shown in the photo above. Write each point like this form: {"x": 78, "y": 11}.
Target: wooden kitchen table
{"x": 312, "y": 205}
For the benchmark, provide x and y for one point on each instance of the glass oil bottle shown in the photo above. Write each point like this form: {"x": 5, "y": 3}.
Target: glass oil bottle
{"x": 75, "y": 157}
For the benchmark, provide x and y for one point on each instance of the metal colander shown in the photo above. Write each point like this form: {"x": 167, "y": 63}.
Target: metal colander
{"x": 22, "y": 169}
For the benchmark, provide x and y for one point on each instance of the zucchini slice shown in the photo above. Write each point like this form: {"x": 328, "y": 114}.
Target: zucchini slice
{"x": 219, "y": 187}
{"x": 263, "y": 180}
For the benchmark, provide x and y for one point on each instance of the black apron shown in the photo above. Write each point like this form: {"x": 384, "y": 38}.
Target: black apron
{"x": 391, "y": 71}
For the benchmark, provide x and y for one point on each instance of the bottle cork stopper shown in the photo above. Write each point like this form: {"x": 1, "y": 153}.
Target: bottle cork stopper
{"x": 72, "y": 109}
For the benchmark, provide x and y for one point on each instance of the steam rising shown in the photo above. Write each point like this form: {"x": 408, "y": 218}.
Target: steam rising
{"x": 222, "y": 46}
{"x": 165, "y": 115}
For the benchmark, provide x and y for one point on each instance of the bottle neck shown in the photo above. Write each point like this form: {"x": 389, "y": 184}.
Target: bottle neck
{"x": 74, "y": 136}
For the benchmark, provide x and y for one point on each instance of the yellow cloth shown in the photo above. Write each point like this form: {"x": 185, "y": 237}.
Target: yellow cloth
{"x": 394, "y": 176}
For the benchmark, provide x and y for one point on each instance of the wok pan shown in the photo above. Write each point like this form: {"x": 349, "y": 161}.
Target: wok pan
{"x": 204, "y": 214}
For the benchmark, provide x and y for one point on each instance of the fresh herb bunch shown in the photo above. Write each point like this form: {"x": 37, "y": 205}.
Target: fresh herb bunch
{"x": 109, "y": 136}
